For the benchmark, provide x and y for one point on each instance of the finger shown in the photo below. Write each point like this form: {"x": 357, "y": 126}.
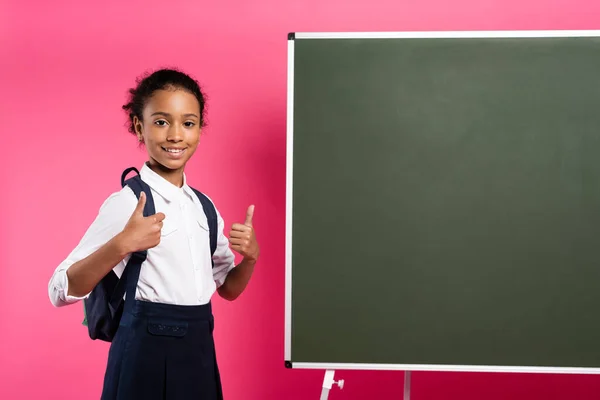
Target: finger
{"x": 241, "y": 228}
{"x": 249, "y": 215}
{"x": 238, "y": 241}
{"x": 237, "y": 248}
{"x": 139, "y": 208}
{"x": 158, "y": 217}
{"x": 239, "y": 235}
{"x": 156, "y": 228}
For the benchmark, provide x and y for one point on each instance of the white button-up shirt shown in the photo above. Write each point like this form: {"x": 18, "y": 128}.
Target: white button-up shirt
{"x": 178, "y": 270}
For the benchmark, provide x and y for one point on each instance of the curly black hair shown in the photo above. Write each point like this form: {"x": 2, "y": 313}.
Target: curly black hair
{"x": 161, "y": 79}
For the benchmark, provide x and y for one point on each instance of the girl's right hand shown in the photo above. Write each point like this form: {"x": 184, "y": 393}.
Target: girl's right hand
{"x": 142, "y": 233}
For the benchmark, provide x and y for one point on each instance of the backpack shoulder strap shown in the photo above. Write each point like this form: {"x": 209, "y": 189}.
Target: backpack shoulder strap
{"x": 211, "y": 217}
{"x": 137, "y": 185}
{"x": 128, "y": 281}
{"x": 125, "y": 173}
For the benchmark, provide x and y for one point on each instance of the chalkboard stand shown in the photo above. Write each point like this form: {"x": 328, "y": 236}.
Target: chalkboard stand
{"x": 406, "y": 385}
{"x": 328, "y": 383}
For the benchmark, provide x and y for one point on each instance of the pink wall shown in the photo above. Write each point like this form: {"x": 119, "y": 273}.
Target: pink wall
{"x": 65, "y": 67}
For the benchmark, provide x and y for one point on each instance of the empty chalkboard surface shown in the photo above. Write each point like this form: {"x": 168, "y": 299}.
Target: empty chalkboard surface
{"x": 443, "y": 201}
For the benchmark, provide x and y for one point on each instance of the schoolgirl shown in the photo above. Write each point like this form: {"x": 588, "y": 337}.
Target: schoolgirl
{"x": 165, "y": 347}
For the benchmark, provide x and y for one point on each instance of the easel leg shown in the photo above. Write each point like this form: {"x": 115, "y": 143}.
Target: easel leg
{"x": 328, "y": 383}
{"x": 407, "y": 385}
{"x": 324, "y": 393}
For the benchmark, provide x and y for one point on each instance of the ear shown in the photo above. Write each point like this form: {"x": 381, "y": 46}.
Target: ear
{"x": 137, "y": 126}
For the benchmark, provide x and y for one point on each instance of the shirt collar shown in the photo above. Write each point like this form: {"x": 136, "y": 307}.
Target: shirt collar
{"x": 163, "y": 187}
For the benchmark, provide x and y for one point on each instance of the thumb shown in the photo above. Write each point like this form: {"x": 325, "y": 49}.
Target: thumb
{"x": 139, "y": 209}
{"x": 249, "y": 215}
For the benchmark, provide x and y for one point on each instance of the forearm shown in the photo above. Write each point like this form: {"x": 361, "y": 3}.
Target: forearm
{"x": 85, "y": 274}
{"x": 237, "y": 280}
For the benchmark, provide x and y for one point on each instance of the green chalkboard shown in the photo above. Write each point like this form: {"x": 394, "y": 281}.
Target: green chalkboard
{"x": 443, "y": 206}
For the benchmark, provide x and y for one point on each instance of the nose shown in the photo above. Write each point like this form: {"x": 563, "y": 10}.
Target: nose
{"x": 175, "y": 133}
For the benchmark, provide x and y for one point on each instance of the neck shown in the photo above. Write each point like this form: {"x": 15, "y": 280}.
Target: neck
{"x": 174, "y": 176}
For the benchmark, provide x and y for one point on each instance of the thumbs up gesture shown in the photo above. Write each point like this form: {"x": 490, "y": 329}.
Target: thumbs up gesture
{"x": 142, "y": 233}
{"x": 243, "y": 239}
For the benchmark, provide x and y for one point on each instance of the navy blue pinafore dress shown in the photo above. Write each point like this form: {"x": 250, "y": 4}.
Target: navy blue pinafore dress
{"x": 161, "y": 351}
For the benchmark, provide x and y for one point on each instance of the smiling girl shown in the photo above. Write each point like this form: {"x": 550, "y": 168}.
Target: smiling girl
{"x": 167, "y": 350}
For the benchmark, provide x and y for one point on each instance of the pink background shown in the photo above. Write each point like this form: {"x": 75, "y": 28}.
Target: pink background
{"x": 65, "y": 67}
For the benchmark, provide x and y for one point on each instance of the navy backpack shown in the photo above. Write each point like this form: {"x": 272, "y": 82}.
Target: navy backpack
{"x": 105, "y": 305}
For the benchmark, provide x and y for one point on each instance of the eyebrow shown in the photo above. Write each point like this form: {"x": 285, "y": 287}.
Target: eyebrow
{"x": 164, "y": 114}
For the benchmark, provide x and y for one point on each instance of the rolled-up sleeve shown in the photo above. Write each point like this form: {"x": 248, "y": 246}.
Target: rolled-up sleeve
{"x": 223, "y": 258}
{"x": 111, "y": 219}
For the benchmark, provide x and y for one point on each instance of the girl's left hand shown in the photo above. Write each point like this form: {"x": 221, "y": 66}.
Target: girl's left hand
{"x": 243, "y": 239}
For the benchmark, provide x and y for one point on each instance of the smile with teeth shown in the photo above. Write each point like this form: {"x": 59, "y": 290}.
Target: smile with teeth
{"x": 173, "y": 150}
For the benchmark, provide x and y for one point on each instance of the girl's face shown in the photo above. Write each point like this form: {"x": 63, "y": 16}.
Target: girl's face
{"x": 170, "y": 130}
